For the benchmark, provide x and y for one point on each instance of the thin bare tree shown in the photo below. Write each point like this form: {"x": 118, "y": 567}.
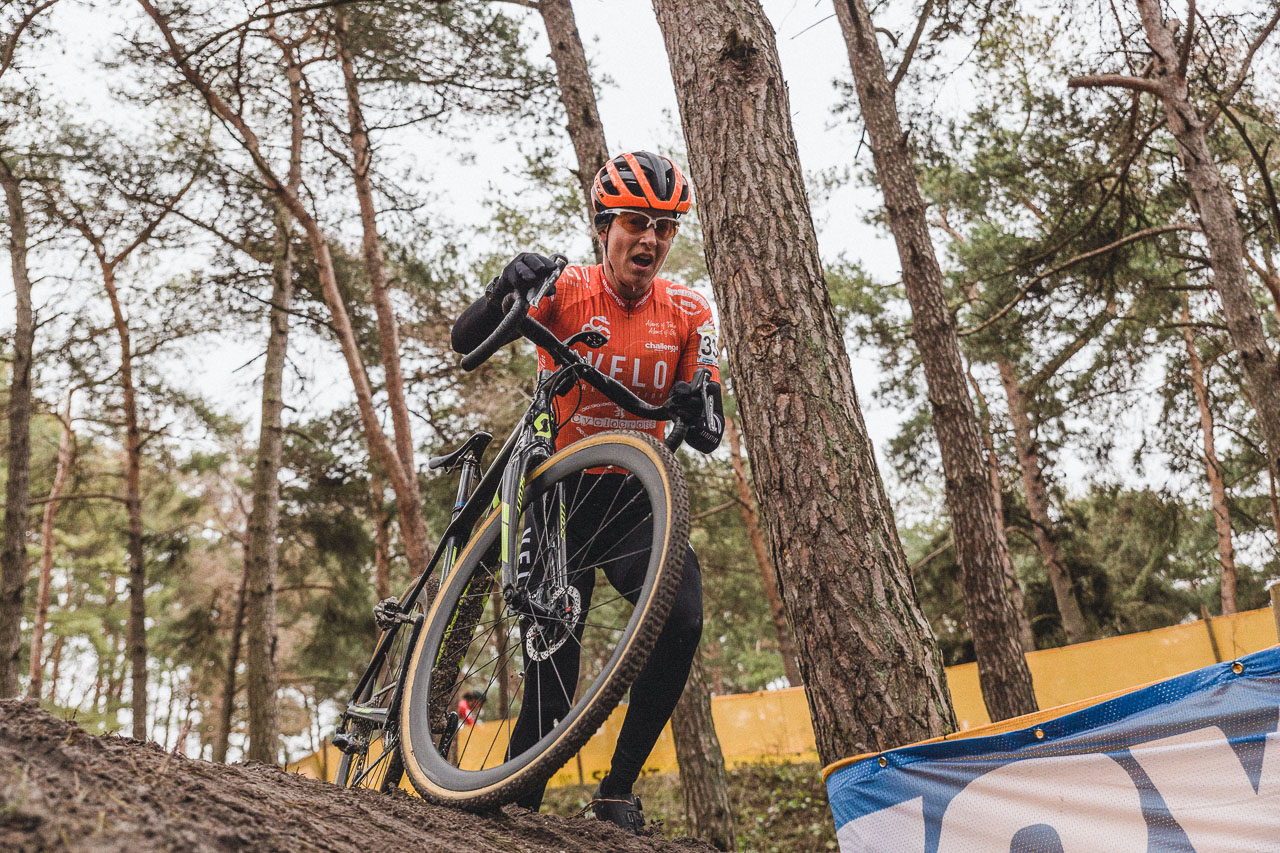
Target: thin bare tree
{"x": 981, "y": 548}
{"x": 13, "y": 554}
{"x": 66, "y": 453}
{"x": 1166, "y": 76}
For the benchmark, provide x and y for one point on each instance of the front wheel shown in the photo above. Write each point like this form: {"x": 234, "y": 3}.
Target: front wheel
{"x": 548, "y": 667}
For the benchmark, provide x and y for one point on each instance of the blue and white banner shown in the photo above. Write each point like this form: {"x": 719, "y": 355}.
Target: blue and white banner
{"x": 1189, "y": 764}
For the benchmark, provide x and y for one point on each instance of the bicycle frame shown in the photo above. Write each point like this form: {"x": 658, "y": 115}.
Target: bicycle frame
{"x": 531, "y": 442}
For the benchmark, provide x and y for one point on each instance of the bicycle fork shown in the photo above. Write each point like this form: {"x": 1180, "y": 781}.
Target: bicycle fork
{"x": 518, "y": 548}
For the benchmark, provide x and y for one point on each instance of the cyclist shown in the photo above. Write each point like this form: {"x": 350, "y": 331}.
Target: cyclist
{"x": 658, "y": 333}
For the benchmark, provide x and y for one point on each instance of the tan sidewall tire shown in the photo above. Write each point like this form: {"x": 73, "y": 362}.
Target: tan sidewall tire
{"x": 641, "y": 634}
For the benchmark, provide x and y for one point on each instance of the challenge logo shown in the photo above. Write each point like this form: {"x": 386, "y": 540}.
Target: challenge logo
{"x": 661, "y": 347}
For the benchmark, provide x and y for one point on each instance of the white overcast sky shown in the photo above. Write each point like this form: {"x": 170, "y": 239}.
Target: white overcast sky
{"x": 639, "y": 111}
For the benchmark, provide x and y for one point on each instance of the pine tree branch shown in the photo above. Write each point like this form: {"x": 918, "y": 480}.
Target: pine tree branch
{"x": 1084, "y": 256}
{"x": 909, "y": 54}
{"x": 87, "y": 496}
{"x": 1243, "y": 74}
{"x": 262, "y": 16}
{"x": 1273, "y": 204}
{"x": 1122, "y": 81}
{"x": 1184, "y": 53}
{"x": 10, "y": 46}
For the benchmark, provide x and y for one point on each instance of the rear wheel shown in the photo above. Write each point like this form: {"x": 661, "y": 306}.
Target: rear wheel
{"x": 620, "y": 500}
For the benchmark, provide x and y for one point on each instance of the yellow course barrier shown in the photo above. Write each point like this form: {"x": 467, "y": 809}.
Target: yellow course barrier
{"x": 774, "y": 726}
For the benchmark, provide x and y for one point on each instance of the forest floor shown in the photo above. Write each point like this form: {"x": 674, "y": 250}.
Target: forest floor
{"x": 62, "y": 789}
{"x": 777, "y": 808}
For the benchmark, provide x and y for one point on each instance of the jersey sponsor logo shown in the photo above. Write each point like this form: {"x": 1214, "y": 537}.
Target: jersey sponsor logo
{"x": 688, "y": 301}
{"x": 598, "y": 323}
{"x": 632, "y": 372}
{"x": 661, "y": 347}
{"x": 708, "y": 351}
{"x": 660, "y": 327}
{"x": 614, "y": 423}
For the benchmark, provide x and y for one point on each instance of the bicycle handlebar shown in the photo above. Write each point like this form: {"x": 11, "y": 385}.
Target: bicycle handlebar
{"x": 518, "y": 311}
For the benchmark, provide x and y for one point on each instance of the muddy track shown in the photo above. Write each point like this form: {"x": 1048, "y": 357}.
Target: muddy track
{"x": 63, "y": 789}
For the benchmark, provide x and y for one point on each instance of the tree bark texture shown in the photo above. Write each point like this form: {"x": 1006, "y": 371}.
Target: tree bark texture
{"x": 981, "y": 549}
{"x": 410, "y": 511}
{"x": 65, "y": 446}
{"x": 578, "y": 96}
{"x": 262, "y": 550}
{"x": 381, "y": 537}
{"x": 261, "y": 547}
{"x": 703, "y": 779}
{"x": 226, "y": 707}
{"x": 1026, "y": 636}
{"x": 133, "y": 512}
{"x": 870, "y": 665}
{"x": 1212, "y": 468}
{"x": 768, "y": 576}
{"x": 1218, "y": 219}
{"x": 13, "y": 553}
{"x": 1037, "y": 496}
{"x": 414, "y": 528}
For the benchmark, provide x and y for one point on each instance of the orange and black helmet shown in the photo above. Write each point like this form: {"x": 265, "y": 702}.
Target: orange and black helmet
{"x": 640, "y": 181}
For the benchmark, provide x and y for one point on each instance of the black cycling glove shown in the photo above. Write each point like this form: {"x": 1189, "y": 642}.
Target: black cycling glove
{"x": 686, "y": 402}
{"x": 525, "y": 272}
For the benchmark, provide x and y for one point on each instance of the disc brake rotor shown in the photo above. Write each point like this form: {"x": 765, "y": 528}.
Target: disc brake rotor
{"x": 544, "y": 637}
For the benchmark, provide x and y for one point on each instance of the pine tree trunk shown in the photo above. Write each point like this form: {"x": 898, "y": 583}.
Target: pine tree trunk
{"x": 747, "y": 504}
{"x": 1212, "y": 468}
{"x": 1026, "y": 636}
{"x": 13, "y": 553}
{"x": 262, "y": 549}
{"x": 870, "y": 665}
{"x": 412, "y": 524}
{"x": 46, "y": 557}
{"x": 226, "y": 707}
{"x": 1219, "y": 223}
{"x": 1024, "y": 442}
{"x": 381, "y": 538}
{"x": 703, "y": 779}
{"x": 137, "y": 643}
{"x": 578, "y": 96}
{"x": 981, "y": 549}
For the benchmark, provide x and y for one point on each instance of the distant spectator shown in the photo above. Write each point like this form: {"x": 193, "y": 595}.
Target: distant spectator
{"x": 469, "y": 707}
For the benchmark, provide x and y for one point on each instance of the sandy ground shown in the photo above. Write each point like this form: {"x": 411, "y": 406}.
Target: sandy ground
{"x": 63, "y": 789}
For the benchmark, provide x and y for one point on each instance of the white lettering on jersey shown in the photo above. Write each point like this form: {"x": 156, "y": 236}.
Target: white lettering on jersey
{"x": 660, "y": 375}
{"x": 635, "y": 374}
{"x": 615, "y": 365}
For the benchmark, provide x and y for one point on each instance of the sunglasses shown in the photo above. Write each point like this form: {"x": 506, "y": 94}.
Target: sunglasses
{"x": 664, "y": 227}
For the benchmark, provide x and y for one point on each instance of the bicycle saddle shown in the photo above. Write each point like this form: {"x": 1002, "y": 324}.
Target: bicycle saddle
{"x": 475, "y": 444}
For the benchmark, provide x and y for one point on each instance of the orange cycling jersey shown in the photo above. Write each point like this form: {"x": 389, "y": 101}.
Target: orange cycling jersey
{"x": 654, "y": 342}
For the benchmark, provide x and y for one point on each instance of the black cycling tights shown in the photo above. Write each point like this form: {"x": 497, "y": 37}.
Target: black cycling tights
{"x": 609, "y": 528}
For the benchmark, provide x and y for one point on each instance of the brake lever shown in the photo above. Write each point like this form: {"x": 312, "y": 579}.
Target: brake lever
{"x": 549, "y": 282}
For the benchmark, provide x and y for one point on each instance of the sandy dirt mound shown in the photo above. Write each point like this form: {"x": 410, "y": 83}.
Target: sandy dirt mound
{"x": 63, "y": 789}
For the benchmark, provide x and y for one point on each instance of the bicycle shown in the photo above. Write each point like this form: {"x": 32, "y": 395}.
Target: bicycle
{"x": 519, "y": 577}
